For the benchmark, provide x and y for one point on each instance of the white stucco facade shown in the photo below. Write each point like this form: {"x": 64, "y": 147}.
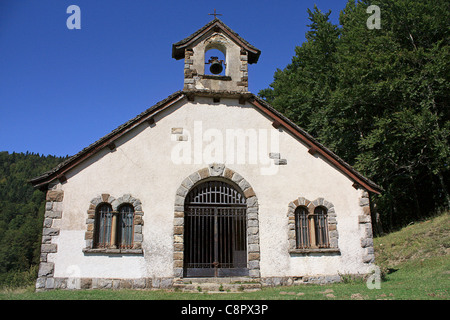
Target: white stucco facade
{"x": 144, "y": 165}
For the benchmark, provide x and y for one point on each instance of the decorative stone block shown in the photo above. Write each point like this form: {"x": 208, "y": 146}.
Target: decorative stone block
{"x": 204, "y": 173}
{"x": 139, "y": 283}
{"x": 50, "y": 231}
{"x": 48, "y": 222}
{"x": 366, "y": 242}
{"x": 194, "y": 178}
{"x": 364, "y": 219}
{"x": 280, "y": 162}
{"x": 187, "y": 183}
{"x": 228, "y": 173}
{"x": 252, "y": 202}
{"x": 254, "y": 273}
{"x": 178, "y": 230}
{"x": 252, "y": 230}
{"x": 50, "y": 283}
{"x": 364, "y": 202}
{"x": 179, "y": 201}
{"x": 48, "y": 248}
{"x": 55, "y": 195}
{"x": 249, "y": 192}
{"x": 46, "y": 269}
{"x": 138, "y": 237}
{"x": 237, "y": 178}
{"x": 274, "y": 155}
{"x": 177, "y": 130}
{"x": 53, "y": 214}
{"x": 40, "y": 284}
{"x": 85, "y": 283}
{"x": 178, "y": 222}
{"x": 216, "y": 169}
{"x": 243, "y": 184}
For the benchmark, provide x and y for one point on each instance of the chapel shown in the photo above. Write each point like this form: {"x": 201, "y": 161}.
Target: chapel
{"x": 209, "y": 183}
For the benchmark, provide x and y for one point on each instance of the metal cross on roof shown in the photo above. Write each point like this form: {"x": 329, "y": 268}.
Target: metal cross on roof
{"x": 214, "y": 14}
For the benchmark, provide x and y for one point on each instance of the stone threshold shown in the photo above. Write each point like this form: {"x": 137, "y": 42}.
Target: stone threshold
{"x": 217, "y": 285}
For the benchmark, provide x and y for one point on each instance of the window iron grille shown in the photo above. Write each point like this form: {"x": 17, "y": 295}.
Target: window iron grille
{"x": 311, "y": 230}
{"x": 103, "y": 224}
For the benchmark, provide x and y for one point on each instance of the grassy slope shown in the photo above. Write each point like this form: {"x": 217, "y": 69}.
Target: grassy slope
{"x": 415, "y": 263}
{"x": 415, "y": 243}
{"x": 417, "y": 259}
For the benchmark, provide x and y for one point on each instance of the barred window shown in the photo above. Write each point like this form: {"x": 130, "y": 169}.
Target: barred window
{"x": 311, "y": 230}
{"x": 302, "y": 228}
{"x": 126, "y": 222}
{"x": 321, "y": 227}
{"x": 103, "y": 224}
{"x": 114, "y": 229}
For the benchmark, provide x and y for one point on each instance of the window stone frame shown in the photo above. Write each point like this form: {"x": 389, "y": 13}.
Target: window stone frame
{"x": 333, "y": 235}
{"x": 138, "y": 222}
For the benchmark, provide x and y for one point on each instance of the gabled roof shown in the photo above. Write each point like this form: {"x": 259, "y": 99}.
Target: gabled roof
{"x": 215, "y": 24}
{"x": 279, "y": 120}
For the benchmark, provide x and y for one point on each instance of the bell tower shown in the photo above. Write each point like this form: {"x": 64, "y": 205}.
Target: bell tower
{"x": 203, "y": 71}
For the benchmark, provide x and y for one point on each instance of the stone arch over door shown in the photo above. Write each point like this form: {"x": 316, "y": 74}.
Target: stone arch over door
{"x": 217, "y": 172}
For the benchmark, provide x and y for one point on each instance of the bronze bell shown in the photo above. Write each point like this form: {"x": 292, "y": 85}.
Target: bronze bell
{"x": 216, "y": 65}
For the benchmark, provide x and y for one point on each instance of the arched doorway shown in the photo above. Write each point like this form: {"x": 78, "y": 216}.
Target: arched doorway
{"x": 215, "y": 231}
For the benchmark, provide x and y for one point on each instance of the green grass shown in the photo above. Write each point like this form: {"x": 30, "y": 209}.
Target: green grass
{"x": 415, "y": 263}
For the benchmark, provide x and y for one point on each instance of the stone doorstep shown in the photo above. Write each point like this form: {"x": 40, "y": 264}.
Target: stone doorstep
{"x": 217, "y": 285}
{"x": 217, "y": 280}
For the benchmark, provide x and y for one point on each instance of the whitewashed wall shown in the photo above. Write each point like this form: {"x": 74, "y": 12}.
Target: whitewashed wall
{"x": 143, "y": 165}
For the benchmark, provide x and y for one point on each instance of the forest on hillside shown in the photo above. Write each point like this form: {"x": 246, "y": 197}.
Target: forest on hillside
{"x": 21, "y": 214}
{"x": 377, "y": 94}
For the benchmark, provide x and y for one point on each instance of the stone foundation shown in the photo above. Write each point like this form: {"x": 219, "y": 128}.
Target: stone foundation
{"x": 172, "y": 283}
{"x": 106, "y": 283}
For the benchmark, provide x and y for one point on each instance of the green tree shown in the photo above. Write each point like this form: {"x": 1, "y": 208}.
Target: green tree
{"x": 302, "y": 89}
{"x": 380, "y": 100}
{"x": 21, "y": 212}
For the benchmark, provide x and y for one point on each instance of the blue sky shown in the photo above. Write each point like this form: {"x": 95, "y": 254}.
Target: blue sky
{"x": 61, "y": 89}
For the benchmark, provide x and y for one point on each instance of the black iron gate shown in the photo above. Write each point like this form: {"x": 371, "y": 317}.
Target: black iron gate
{"x": 215, "y": 232}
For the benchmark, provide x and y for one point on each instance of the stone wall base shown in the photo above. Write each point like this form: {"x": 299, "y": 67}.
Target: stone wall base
{"x": 43, "y": 284}
{"x": 289, "y": 281}
{"x": 50, "y": 283}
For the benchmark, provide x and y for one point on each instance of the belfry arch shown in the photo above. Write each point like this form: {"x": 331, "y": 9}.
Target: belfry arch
{"x": 231, "y": 214}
